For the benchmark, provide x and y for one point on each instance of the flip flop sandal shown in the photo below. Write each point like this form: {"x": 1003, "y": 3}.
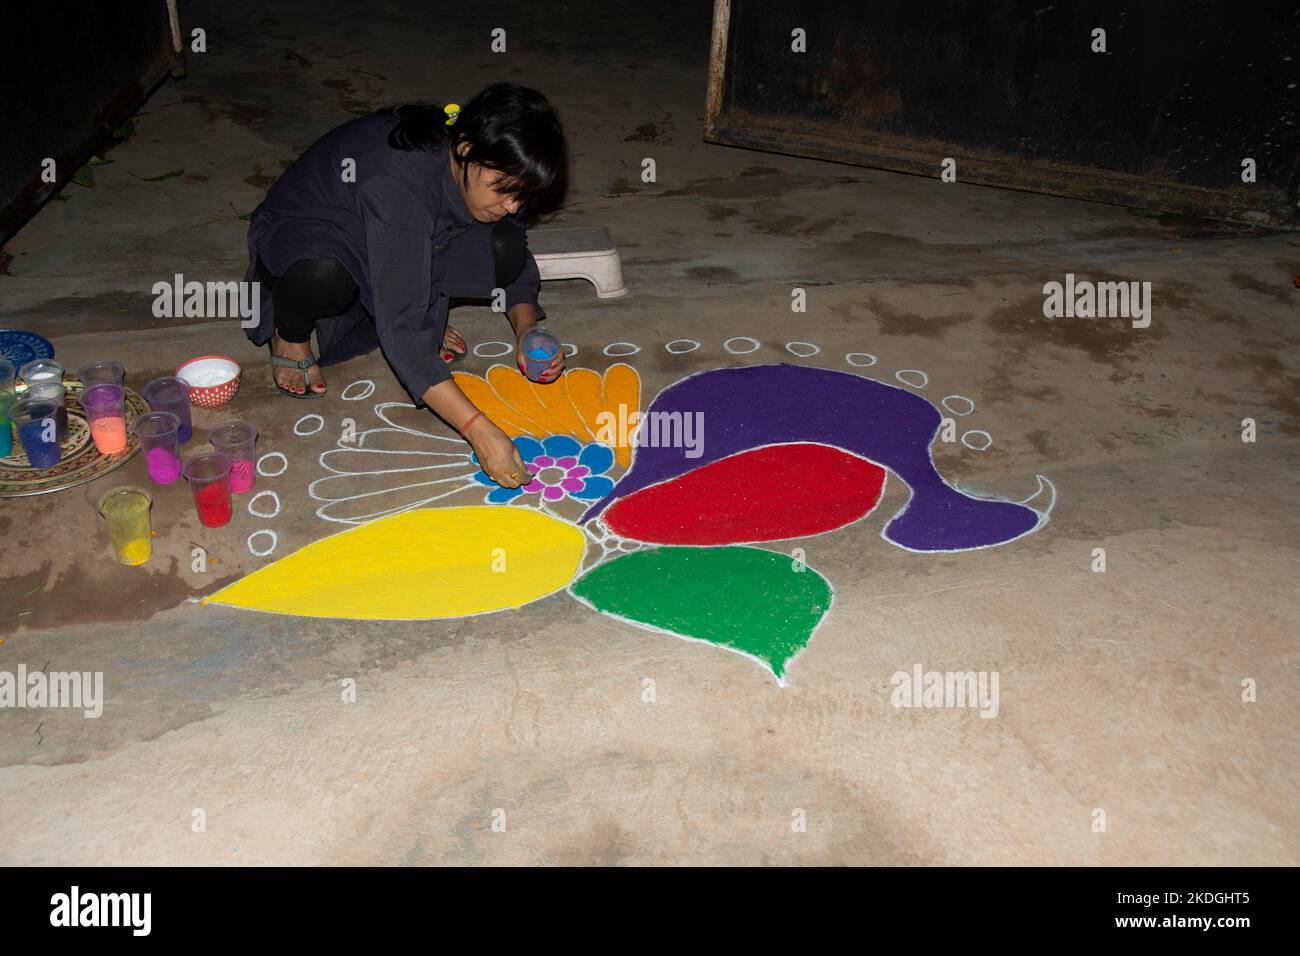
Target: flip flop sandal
{"x": 302, "y": 365}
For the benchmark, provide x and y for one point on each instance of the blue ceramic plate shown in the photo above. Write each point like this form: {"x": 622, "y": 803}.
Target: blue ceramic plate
{"x": 22, "y": 347}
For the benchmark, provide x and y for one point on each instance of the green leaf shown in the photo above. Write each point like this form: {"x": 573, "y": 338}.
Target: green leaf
{"x": 99, "y": 161}
{"x": 157, "y": 179}
{"x": 760, "y": 603}
{"x": 84, "y": 176}
{"x": 126, "y": 130}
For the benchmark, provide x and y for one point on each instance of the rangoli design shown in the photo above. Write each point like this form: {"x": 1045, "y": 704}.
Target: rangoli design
{"x": 648, "y": 516}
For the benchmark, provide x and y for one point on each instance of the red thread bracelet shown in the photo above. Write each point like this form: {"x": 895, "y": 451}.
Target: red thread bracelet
{"x": 472, "y": 419}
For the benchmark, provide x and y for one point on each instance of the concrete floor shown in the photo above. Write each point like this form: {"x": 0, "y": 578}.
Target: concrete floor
{"x": 1119, "y": 691}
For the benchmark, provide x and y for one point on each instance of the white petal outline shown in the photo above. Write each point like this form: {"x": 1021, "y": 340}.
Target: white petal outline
{"x": 726, "y": 346}
{"x": 273, "y": 474}
{"x": 275, "y": 540}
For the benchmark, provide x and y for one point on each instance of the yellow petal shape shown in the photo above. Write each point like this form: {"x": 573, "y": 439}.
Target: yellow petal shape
{"x": 585, "y": 392}
{"x": 418, "y": 565}
{"x": 490, "y": 404}
{"x": 554, "y": 397}
{"x": 517, "y": 392}
{"x": 623, "y": 388}
{"x": 573, "y": 405}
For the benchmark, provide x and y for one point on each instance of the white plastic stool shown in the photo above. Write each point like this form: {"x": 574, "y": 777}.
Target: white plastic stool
{"x": 583, "y": 252}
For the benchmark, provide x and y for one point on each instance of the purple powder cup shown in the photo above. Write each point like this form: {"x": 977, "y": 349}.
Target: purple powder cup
{"x": 159, "y": 434}
{"x": 102, "y": 373}
{"x": 171, "y": 394}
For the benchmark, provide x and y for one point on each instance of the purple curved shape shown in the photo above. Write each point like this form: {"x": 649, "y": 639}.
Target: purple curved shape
{"x": 746, "y": 408}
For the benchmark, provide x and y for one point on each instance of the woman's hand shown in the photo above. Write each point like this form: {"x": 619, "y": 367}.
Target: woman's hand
{"x": 551, "y": 373}
{"x": 497, "y": 455}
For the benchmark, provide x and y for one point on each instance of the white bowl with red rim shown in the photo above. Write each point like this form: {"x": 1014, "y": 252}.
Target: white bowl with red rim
{"x": 213, "y": 379}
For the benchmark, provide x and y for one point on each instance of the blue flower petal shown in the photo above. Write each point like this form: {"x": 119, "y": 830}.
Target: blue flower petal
{"x": 529, "y": 448}
{"x": 596, "y": 457}
{"x": 499, "y": 496}
{"x": 482, "y": 478}
{"x": 596, "y": 487}
{"x": 557, "y": 446}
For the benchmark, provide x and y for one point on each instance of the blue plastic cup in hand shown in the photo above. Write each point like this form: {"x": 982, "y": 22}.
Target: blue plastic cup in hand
{"x": 540, "y": 348}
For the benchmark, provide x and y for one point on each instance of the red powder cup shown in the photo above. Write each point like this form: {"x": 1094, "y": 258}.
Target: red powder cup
{"x": 237, "y": 441}
{"x": 105, "y": 407}
{"x": 209, "y": 478}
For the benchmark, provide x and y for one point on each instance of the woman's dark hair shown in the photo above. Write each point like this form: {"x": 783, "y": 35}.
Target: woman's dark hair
{"x": 508, "y": 128}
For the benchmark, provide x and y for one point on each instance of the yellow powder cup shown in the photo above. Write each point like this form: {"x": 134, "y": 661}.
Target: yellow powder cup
{"x": 126, "y": 510}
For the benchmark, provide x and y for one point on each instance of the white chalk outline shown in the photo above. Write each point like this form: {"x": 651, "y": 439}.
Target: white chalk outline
{"x": 726, "y": 346}
{"x": 977, "y": 431}
{"x": 944, "y": 403}
{"x": 461, "y": 458}
{"x": 632, "y": 345}
{"x": 569, "y": 345}
{"x": 319, "y": 418}
{"x": 848, "y": 357}
{"x": 505, "y": 345}
{"x": 260, "y": 514}
{"x": 275, "y": 540}
{"x": 816, "y": 349}
{"x": 925, "y": 379}
{"x": 272, "y": 474}
{"x": 358, "y": 398}
{"x": 669, "y": 347}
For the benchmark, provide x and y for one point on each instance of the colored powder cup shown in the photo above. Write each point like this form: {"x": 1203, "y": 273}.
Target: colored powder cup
{"x": 7, "y": 399}
{"x": 540, "y": 348}
{"x": 102, "y": 373}
{"x": 42, "y": 371}
{"x": 237, "y": 441}
{"x": 171, "y": 394}
{"x": 209, "y": 478}
{"x": 126, "y": 510}
{"x": 160, "y": 441}
{"x": 105, "y": 407}
{"x": 57, "y": 394}
{"x": 38, "y": 430}
{"x": 6, "y": 425}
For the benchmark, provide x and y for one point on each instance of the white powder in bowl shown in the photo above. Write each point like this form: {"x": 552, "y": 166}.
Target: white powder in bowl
{"x": 207, "y": 379}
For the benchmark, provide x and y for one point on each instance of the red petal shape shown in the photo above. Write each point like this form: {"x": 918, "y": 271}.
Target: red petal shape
{"x": 767, "y": 494}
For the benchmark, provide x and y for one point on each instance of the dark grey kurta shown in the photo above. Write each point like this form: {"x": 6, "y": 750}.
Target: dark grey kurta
{"x": 403, "y": 233}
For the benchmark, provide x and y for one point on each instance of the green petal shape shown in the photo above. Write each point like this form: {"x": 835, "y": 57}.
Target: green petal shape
{"x": 759, "y": 603}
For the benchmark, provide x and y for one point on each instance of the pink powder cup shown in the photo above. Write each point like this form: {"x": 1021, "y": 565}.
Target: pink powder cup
{"x": 159, "y": 434}
{"x": 238, "y": 442}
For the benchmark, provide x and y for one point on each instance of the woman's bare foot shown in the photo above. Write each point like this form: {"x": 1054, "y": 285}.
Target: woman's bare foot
{"x": 290, "y": 379}
{"x": 453, "y": 344}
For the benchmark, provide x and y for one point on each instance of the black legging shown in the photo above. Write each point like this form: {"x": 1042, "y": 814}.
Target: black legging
{"x": 313, "y": 289}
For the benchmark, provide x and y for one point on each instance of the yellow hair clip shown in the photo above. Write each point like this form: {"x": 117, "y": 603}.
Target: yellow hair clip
{"x": 452, "y": 110}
